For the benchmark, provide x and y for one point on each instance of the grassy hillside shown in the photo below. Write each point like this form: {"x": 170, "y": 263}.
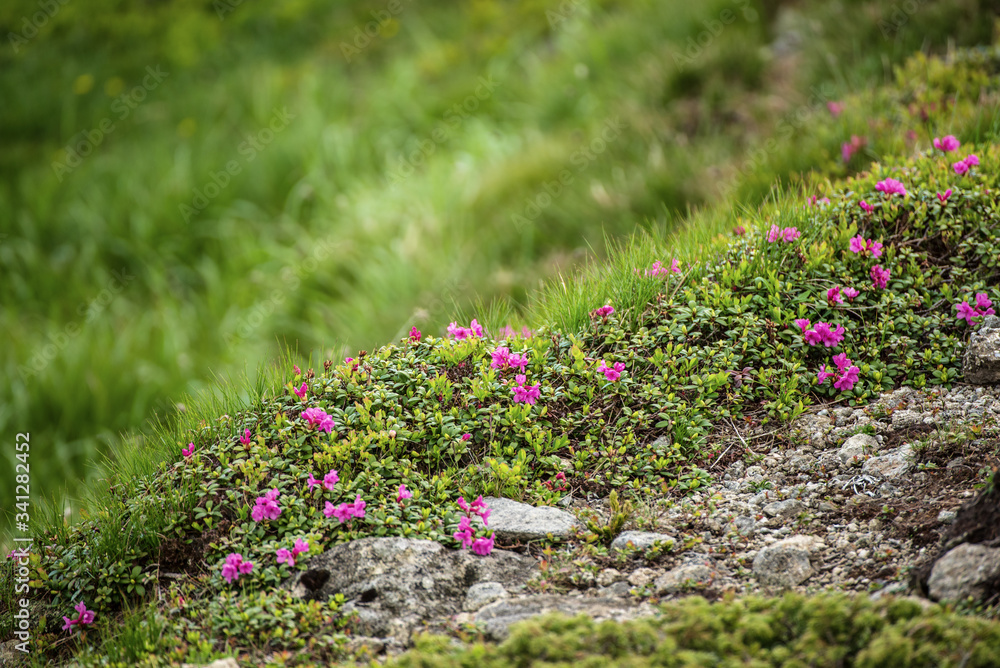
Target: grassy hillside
{"x": 627, "y": 368}
{"x": 186, "y": 190}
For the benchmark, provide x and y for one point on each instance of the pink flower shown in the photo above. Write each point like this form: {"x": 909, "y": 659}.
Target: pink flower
{"x": 675, "y": 267}
{"x": 790, "y": 234}
{"x": 891, "y": 187}
{"x": 296, "y": 370}
{"x": 466, "y": 437}
{"x": 822, "y": 333}
{"x": 739, "y": 230}
{"x": 500, "y": 356}
{"x": 288, "y": 557}
{"x": 848, "y": 379}
{"x": 861, "y": 245}
{"x": 403, "y": 493}
{"x": 833, "y": 296}
{"x": 848, "y": 373}
{"x": 83, "y": 616}
{"x": 266, "y": 507}
{"x": 944, "y": 197}
{"x": 848, "y": 149}
{"x": 414, "y": 334}
{"x": 518, "y": 361}
{"x": 331, "y": 479}
{"x": 835, "y": 108}
{"x": 603, "y": 312}
{"x": 464, "y": 533}
{"x": 245, "y": 438}
{"x": 962, "y": 166}
{"x": 983, "y": 307}
{"x": 235, "y": 566}
{"x": 803, "y": 324}
{"x": 868, "y": 208}
{"x": 312, "y": 482}
{"x": 188, "y": 451}
{"x": 477, "y": 507}
{"x": 850, "y": 293}
{"x": 302, "y": 391}
{"x": 346, "y": 511}
{"x": 319, "y": 418}
{"x": 946, "y": 144}
{"x": 612, "y": 373}
{"x": 773, "y": 234}
{"x": 880, "y": 277}
{"x": 482, "y": 546}
{"x": 525, "y": 394}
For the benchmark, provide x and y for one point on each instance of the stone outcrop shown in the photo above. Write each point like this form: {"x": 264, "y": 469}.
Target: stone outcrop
{"x": 981, "y": 364}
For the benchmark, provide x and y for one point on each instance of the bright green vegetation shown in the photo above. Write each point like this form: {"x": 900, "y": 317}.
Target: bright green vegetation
{"x": 716, "y": 341}
{"x": 116, "y": 300}
{"x": 824, "y": 630}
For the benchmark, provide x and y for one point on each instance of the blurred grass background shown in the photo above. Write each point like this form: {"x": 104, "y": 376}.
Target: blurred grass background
{"x": 284, "y": 181}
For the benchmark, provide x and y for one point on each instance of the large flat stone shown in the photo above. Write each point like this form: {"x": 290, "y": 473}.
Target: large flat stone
{"x": 516, "y": 521}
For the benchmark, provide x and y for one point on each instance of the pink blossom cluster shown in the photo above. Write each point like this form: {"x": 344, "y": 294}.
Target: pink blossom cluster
{"x": 235, "y": 567}
{"x": 188, "y": 451}
{"x": 415, "y": 334}
{"x": 612, "y": 373}
{"x": 962, "y": 166}
{"x": 891, "y": 187}
{"x": 507, "y": 332}
{"x": 659, "y": 269}
{"x": 787, "y": 235}
{"x": 523, "y": 393}
{"x": 943, "y": 197}
{"x": 816, "y": 200}
{"x": 833, "y": 296}
{"x": 346, "y": 511}
{"x": 866, "y": 207}
{"x": 83, "y": 616}
{"x": 946, "y": 144}
{"x": 822, "y": 332}
{"x": 245, "y": 438}
{"x": 266, "y": 506}
{"x": 602, "y": 312}
{"x": 402, "y": 494}
{"x": 465, "y": 534}
{"x": 848, "y": 374}
{"x": 457, "y": 332}
{"x": 862, "y": 246}
{"x": 503, "y": 358}
{"x": 301, "y": 391}
{"x": 329, "y": 480}
{"x": 880, "y": 277}
{"x": 317, "y": 417}
{"x": 983, "y": 307}
{"x": 288, "y": 556}
{"x": 835, "y": 108}
{"x": 848, "y": 149}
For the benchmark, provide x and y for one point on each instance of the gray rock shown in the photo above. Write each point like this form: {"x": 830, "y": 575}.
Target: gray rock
{"x": 684, "y": 576}
{"x": 784, "y": 509}
{"x": 785, "y": 563}
{"x": 947, "y": 516}
{"x": 641, "y": 577}
{"x": 744, "y": 524}
{"x": 981, "y": 364}
{"x": 218, "y": 663}
{"x": 906, "y": 418}
{"x": 483, "y": 593}
{"x": 893, "y": 464}
{"x": 515, "y": 521}
{"x": 497, "y": 618}
{"x": 967, "y": 570}
{"x": 854, "y": 448}
{"x": 396, "y": 583}
{"x": 639, "y": 539}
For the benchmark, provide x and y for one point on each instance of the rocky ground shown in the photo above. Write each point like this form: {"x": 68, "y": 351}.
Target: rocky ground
{"x": 846, "y": 499}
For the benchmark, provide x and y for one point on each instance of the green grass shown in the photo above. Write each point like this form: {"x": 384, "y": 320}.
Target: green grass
{"x": 401, "y": 410}
{"x": 116, "y": 302}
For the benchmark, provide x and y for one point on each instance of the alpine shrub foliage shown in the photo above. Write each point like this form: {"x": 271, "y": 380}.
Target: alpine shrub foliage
{"x": 826, "y": 630}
